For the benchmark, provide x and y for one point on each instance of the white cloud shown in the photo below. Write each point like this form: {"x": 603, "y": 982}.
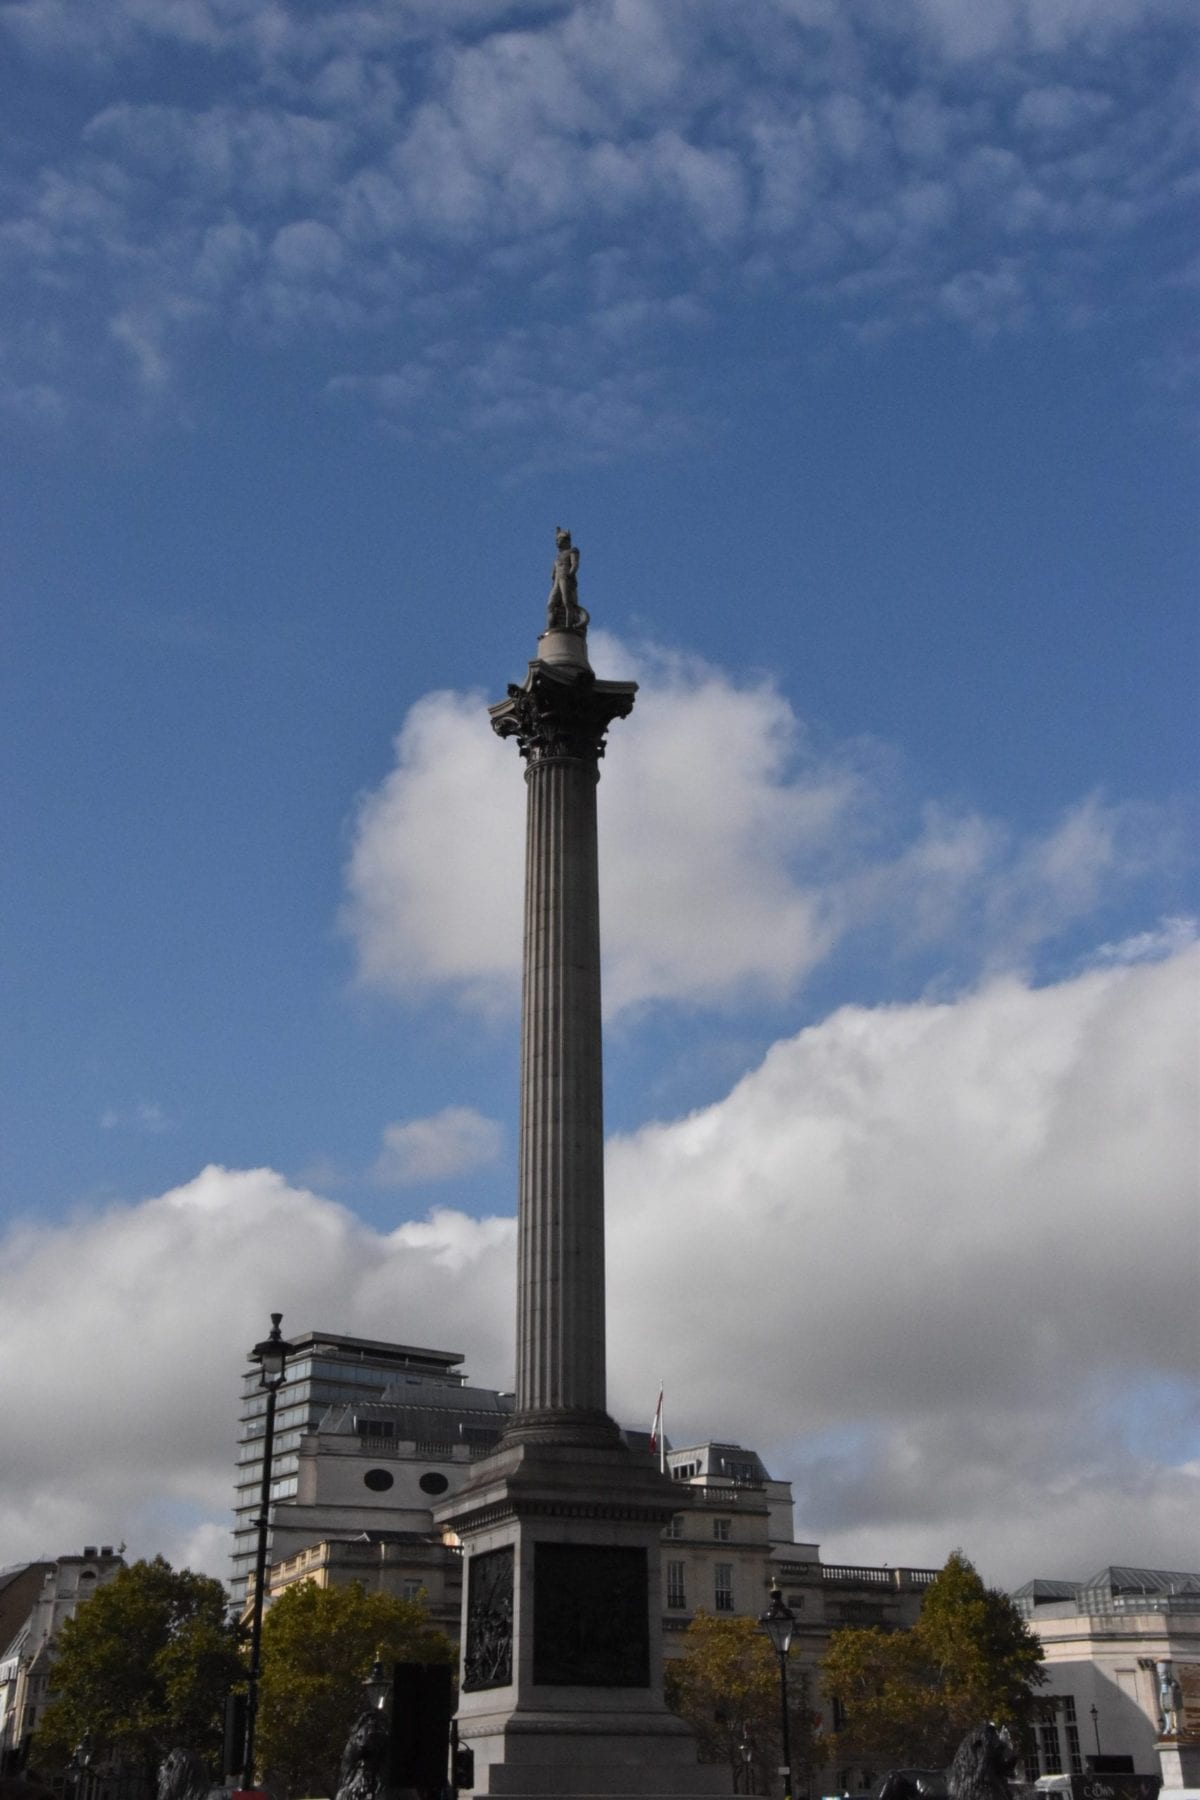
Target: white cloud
{"x": 1166, "y": 939}
{"x": 735, "y": 857}
{"x": 1060, "y": 109}
{"x": 131, "y": 1336}
{"x": 399, "y": 157}
{"x": 936, "y": 1262}
{"x": 397, "y": 890}
{"x": 956, "y": 1247}
{"x": 456, "y": 1141}
{"x": 146, "y": 1116}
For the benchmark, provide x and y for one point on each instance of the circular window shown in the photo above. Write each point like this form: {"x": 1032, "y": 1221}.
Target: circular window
{"x": 379, "y": 1480}
{"x": 433, "y": 1484}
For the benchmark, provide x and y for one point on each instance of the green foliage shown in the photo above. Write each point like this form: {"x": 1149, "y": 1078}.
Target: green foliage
{"x": 318, "y": 1645}
{"x": 726, "y": 1685}
{"x": 909, "y": 1697}
{"x": 144, "y": 1666}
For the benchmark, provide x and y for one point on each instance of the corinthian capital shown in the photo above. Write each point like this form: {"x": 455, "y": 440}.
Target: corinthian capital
{"x": 561, "y": 712}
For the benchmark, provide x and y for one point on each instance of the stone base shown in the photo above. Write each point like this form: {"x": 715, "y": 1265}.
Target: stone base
{"x": 1179, "y": 1760}
{"x": 562, "y": 1626}
{"x": 589, "y": 1752}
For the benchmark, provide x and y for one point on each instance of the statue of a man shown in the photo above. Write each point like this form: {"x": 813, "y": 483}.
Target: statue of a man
{"x": 1170, "y": 1699}
{"x": 563, "y": 611}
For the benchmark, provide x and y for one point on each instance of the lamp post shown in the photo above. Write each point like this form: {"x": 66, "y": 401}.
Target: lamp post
{"x": 271, "y": 1356}
{"x": 1096, "y": 1726}
{"x": 378, "y": 1685}
{"x": 779, "y": 1621}
{"x": 746, "y": 1752}
{"x": 80, "y": 1764}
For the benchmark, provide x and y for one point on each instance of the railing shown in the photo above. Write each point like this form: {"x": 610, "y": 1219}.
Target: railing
{"x": 712, "y": 1494}
{"x": 856, "y": 1575}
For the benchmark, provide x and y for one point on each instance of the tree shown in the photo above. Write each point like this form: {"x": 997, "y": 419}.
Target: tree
{"x": 908, "y": 1697}
{"x": 318, "y": 1645}
{"x": 144, "y": 1667}
{"x": 726, "y": 1685}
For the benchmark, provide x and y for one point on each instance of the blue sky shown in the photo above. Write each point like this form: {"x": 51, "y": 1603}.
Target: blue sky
{"x": 856, "y": 345}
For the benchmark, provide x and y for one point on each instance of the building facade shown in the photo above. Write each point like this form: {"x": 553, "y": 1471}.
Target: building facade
{"x": 370, "y": 1435}
{"x": 27, "y": 1660}
{"x": 1105, "y": 1641}
{"x": 367, "y": 1433}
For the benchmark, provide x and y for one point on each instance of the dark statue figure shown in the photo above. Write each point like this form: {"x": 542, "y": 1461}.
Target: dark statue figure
{"x": 563, "y": 611}
{"x": 488, "y": 1659}
{"x": 363, "y": 1774}
{"x": 982, "y": 1765}
{"x": 182, "y": 1775}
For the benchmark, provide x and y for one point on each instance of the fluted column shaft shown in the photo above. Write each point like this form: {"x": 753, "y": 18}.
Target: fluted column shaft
{"x": 560, "y": 1304}
{"x": 559, "y": 718}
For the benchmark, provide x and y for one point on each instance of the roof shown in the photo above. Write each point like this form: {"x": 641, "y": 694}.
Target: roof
{"x": 377, "y": 1349}
{"x": 1118, "y": 1587}
{"x": 1120, "y": 1579}
{"x": 1042, "y": 1589}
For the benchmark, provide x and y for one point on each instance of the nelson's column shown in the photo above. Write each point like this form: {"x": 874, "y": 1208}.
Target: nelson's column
{"x": 561, "y": 1690}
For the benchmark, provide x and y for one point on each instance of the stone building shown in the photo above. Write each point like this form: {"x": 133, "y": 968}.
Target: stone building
{"x": 737, "y": 1538}
{"x": 1104, "y": 1641}
{"x": 367, "y": 1434}
{"x": 357, "y": 1479}
{"x": 27, "y": 1658}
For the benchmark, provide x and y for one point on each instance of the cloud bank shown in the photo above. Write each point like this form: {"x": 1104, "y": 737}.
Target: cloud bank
{"x": 936, "y": 1261}
{"x": 398, "y": 185}
{"x": 736, "y": 854}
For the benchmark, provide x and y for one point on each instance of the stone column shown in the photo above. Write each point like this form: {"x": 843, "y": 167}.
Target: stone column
{"x": 559, "y": 716}
{"x": 560, "y": 1526}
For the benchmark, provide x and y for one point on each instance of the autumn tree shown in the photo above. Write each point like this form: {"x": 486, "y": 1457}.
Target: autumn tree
{"x": 142, "y": 1668}
{"x": 727, "y": 1687}
{"x": 318, "y": 1645}
{"x": 907, "y": 1698}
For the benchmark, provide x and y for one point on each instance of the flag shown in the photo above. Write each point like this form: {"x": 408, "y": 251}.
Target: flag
{"x": 656, "y": 1436}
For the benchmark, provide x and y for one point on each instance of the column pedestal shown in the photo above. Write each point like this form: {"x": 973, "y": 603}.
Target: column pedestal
{"x": 561, "y": 1689}
{"x": 1179, "y": 1760}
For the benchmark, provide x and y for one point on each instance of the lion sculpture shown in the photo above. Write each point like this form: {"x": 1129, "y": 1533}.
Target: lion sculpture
{"x": 364, "y": 1771}
{"x": 982, "y": 1765}
{"x": 182, "y": 1775}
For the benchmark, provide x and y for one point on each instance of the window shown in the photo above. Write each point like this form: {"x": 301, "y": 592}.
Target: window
{"x": 675, "y": 1528}
{"x": 411, "y": 1590}
{"x": 676, "y": 1594}
{"x": 1051, "y": 1756}
{"x": 722, "y": 1530}
{"x": 723, "y": 1587}
{"x": 375, "y": 1427}
{"x": 1074, "y": 1754}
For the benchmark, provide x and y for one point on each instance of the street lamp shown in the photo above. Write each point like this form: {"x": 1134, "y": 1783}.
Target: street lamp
{"x": 271, "y": 1356}
{"x": 746, "y": 1752}
{"x": 1096, "y": 1727}
{"x": 779, "y": 1621}
{"x": 378, "y": 1685}
{"x": 79, "y": 1765}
